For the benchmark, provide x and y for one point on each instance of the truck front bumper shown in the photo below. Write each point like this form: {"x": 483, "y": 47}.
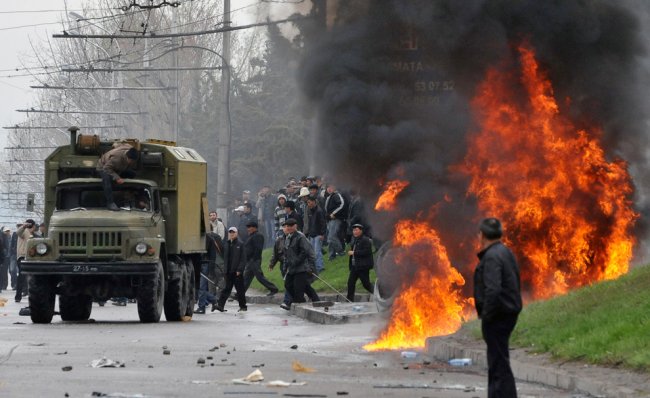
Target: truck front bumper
{"x": 99, "y": 268}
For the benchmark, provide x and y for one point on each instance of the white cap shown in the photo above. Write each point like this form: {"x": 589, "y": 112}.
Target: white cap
{"x": 240, "y": 208}
{"x": 232, "y": 229}
{"x": 304, "y": 191}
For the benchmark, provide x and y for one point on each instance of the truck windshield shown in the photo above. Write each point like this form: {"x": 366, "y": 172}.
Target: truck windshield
{"x": 92, "y": 197}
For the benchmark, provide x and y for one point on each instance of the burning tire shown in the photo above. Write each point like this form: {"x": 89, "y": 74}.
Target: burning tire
{"x": 387, "y": 280}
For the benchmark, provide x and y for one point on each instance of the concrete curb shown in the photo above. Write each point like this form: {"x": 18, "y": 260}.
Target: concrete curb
{"x": 445, "y": 349}
{"x": 336, "y": 314}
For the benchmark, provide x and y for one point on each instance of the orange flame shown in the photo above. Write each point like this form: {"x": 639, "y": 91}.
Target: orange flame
{"x": 430, "y": 304}
{"x": 388, "y": 198}
{"x": 567, "y": 208}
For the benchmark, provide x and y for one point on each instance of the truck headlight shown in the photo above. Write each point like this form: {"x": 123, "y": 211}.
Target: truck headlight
{"x": 41, "y": 248}
{"x": 141, "y": 248}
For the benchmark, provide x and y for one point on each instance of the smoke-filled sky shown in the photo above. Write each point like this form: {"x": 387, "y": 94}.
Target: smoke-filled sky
{"x": 382, "y": 103}
{"x": 392, "y": 83}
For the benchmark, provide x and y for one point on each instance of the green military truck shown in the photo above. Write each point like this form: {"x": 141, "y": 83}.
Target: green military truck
{"x": 150, "y": 250}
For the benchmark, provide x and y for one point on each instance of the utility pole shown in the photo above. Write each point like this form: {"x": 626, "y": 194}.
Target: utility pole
{"x": 223, "y": 165}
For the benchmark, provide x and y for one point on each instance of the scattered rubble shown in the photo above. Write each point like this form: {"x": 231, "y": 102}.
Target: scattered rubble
{"x": 106, "y": 363}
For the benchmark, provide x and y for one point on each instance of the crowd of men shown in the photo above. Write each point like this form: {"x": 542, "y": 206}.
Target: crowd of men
{"x": 13, "y": 249}
{"x": 298, "y": 221}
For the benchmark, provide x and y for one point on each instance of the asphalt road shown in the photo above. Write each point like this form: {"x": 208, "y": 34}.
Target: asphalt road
{"x": 55, "y": 360}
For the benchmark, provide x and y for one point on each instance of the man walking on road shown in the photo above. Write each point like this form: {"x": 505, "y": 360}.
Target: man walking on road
{"x": 253, "y": 247}
{"x": 497, "y": 294}
{"x": 235, "y": 261}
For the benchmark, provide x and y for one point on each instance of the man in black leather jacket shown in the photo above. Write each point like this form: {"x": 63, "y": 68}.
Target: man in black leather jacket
{"x": 235, "y": 262}
{"x": 299, "y": 260}
{"x": 360, "y": 262}
{"x": 497, "y": 296}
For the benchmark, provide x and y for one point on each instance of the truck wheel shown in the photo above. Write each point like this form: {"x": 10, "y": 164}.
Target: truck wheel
{"x": 41, "y": 298}
{"x": 75, "y": 308}
{"x": 151, "y": 295}
{"x": 191, "y": 281}
{"x": 177, "y": 297}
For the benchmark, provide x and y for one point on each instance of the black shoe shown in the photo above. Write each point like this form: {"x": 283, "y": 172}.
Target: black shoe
{"x": 18, "y": 300}
{"x": 25, "y": 311}
{"x": 112, "y": 206}
{"x": 101, "y": 303}
{"x": 200, "y": 310}
{"x": 285, "y": 306}
{"x": 242, "y": 309}
{"x": 272, "y": 293}
{"x": 218, "y": 308}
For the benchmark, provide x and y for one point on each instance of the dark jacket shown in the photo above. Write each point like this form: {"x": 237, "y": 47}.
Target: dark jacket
{"x": 497, "y": 287}
{"x": 241, "y": 226}
{"x": 213, "y": 247}
{"x": 362, "y": 257}
{"x": 335, "y": 206}
{"x": 254, "y": 246}
{"x": 317, "y": 222}
{"x": 234, "y": 256}
{"x": 299, "y": 255}
{"x": 294, "y": 214}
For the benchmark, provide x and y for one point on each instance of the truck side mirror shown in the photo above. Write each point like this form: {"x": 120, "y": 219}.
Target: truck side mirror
{"x": 166, "y": 210}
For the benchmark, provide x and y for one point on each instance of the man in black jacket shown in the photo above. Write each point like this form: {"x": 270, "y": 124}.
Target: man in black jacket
{"x": 335, "y": 213}
{"x": 316, "y": 230}
{"x": 360, "y": 261}
{"x": 253, "y": 247}
{"x": 497, "y": 296}
{"x": 235, "y": 262}
{"x": 298, "y": 259}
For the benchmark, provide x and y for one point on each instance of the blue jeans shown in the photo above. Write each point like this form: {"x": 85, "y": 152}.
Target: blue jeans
{"x": 269, "y": 233}
{"x": 205, "y": 296}
{"x": 333, "y": 227}
{"x": 317, "y": 243}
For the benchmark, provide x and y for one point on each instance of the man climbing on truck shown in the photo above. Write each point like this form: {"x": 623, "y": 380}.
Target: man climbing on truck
{"x": 115, "y": 165}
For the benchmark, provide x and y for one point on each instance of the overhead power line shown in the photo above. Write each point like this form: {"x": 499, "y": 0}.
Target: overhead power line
{"x": 57, "y": 127}
{"x": 110, "y": 70}
{"x": 84, "y": 112}
{"x": 104, "y": 88}
{"x": 153, "y": 35}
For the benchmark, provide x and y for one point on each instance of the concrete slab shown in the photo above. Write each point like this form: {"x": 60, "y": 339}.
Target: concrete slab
{"x": 336, "y": 314}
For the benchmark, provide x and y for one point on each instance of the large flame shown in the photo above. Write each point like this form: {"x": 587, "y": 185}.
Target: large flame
{"x": 431, "y": 304}
{"x": 387, "y": 199}
{"x": 567, "y": 209}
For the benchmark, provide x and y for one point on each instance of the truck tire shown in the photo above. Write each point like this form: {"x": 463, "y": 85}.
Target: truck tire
{"x": 151, "y": 295}
{"x": 41, "y": 298}
{"x": 179, "y": 297}
{"x": 75, "y": 308}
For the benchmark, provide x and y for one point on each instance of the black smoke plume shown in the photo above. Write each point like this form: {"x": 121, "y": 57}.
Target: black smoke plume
{"x": 377, "y": 121}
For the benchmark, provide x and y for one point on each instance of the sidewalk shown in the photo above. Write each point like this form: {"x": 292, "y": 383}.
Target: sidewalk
{"x": 572, "y": 376}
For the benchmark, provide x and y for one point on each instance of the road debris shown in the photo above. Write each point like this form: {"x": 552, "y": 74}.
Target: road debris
{"x": 66, "y": 368}
{"x": 255, "y": 376}
{"x": 116, "y": 395}
{"x": 454, "y": 387}
{"x": 281, "y": 383}
{"x": 298, "y": 367}
{"x": 106, "y": 363}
